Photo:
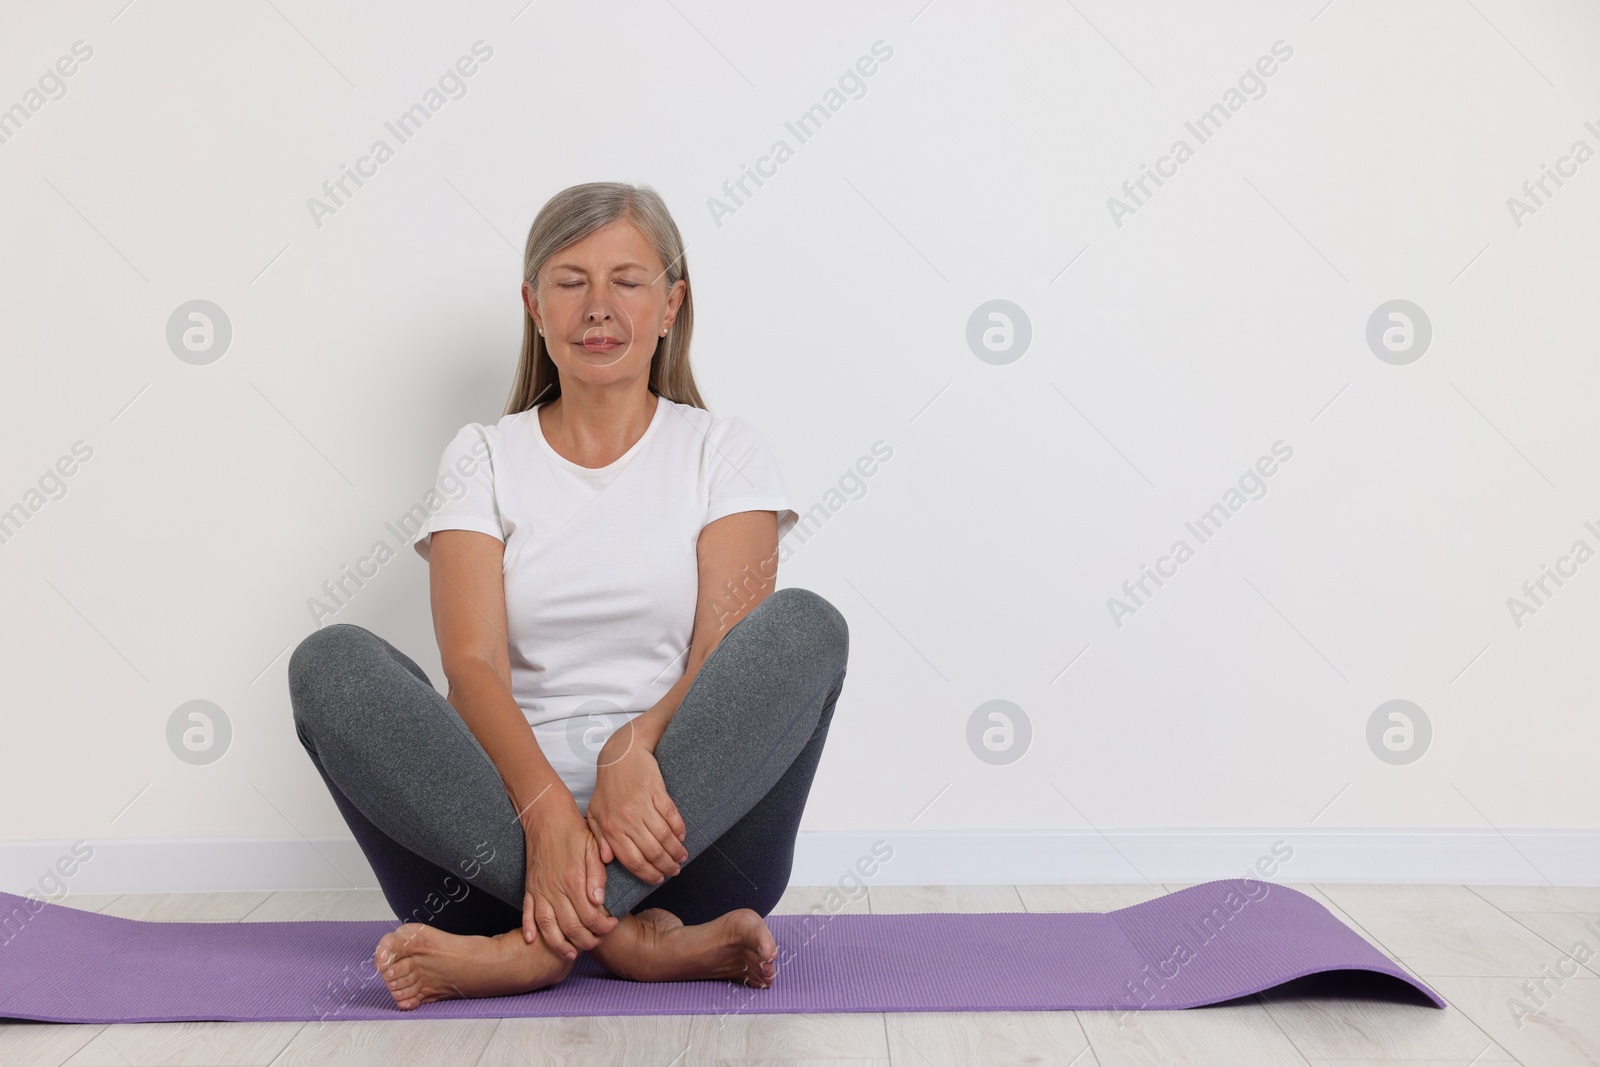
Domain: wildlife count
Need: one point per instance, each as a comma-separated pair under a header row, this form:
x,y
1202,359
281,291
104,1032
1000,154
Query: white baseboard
x,y
918,857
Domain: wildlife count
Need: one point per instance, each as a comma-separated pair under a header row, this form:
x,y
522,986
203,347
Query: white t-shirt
x,y
601,568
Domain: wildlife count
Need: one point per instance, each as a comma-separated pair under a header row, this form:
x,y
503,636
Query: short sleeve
x,y
743,475
462,497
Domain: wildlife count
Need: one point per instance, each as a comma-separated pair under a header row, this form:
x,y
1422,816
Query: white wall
x,y
1171,347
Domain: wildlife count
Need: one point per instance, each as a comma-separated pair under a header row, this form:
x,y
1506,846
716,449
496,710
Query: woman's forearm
x,y
492,714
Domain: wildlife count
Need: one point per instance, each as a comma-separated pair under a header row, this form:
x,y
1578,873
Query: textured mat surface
x,y
1200,945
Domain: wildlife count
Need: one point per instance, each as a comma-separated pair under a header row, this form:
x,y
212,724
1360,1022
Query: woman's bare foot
x,y
655,946
421,963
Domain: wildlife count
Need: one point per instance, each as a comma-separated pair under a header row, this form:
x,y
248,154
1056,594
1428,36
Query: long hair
x,y
569,217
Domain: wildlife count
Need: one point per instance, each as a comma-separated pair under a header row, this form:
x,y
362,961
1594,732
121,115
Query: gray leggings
x,y
430,812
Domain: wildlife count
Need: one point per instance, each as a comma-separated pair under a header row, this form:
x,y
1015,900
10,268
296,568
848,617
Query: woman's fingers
x,y
675,820
595,870
629,853
672,850
589,920
606,855
648,839
545,915
676,831
573,926
530,929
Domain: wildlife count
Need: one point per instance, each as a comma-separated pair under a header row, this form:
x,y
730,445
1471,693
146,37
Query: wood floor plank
x,y
823,1036
636,1040
1562,1031
1327,1019
1540,897
995,1039
874,1062
1238,1034
186,907
1444,930
1573,935
47,1044
1483,1061
1079,898
323,905
904,899
181,1044
800,1063
822,900
349,1043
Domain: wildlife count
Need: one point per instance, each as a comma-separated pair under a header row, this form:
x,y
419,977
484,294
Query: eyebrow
x,y
580,270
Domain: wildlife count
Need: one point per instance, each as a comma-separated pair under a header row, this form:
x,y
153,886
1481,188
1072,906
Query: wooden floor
x,y
1475,945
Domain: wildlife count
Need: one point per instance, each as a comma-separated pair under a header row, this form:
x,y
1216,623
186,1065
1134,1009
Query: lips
x,y
601,344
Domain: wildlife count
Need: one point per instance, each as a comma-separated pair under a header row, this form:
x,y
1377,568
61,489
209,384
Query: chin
x,y
593,375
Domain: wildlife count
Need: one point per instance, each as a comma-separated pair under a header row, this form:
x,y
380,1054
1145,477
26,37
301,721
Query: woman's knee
x,y
817,616
325,652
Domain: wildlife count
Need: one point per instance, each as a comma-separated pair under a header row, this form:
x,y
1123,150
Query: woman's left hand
x,y
630,813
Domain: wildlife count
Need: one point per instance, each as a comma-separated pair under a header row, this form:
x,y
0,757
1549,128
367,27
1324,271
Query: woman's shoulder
x,y
480,446
491,433
709,426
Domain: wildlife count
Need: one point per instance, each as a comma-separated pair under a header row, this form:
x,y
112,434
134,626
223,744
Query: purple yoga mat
x,y
1200,945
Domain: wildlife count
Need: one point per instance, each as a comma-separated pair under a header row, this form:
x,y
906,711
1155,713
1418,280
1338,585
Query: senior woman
x,y
634,714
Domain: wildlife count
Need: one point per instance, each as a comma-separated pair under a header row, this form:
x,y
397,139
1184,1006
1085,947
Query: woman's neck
x,y
594,427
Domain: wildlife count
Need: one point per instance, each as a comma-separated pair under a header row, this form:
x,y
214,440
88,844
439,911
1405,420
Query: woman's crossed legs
x,y
430,812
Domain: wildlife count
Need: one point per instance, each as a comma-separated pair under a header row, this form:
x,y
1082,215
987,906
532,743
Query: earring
x,y
663,333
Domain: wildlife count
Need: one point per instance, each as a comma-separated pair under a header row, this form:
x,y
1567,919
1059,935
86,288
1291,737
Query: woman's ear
x,y
675,301
531,304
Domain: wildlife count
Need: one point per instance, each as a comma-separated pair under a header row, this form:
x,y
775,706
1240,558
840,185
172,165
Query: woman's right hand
x,y
564,892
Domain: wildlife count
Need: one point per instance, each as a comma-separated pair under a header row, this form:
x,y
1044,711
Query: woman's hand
x,y
564,892
630,813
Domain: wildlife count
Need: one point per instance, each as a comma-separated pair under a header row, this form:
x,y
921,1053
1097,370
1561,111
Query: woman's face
x,y
602,304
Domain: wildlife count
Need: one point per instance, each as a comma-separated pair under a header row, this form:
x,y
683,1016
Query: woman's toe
x,y
756,972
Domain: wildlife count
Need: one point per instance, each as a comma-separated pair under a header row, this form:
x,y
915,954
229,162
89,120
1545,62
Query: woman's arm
x,y
467,589
564,884
734,550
